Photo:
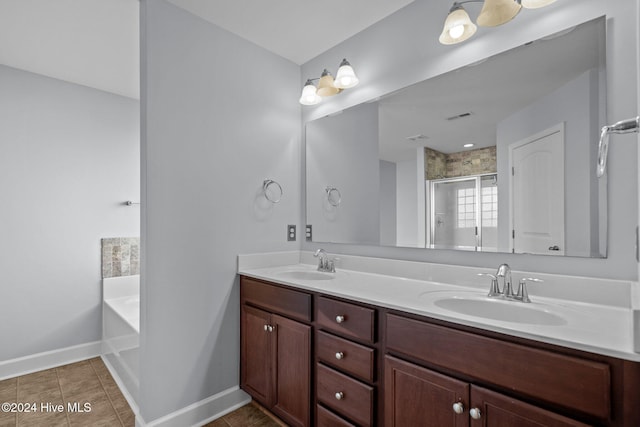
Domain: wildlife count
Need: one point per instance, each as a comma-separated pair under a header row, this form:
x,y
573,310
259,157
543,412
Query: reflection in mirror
x,y
497,156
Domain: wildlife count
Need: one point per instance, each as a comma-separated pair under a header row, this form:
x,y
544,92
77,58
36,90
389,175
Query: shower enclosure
x,y
463,213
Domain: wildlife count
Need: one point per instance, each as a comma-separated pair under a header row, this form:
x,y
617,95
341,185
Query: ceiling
x,y
96,42
298,30
89,42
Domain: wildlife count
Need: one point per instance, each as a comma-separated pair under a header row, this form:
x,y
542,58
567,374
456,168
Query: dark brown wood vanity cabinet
x,y
316,360
345,363
441,376
276,349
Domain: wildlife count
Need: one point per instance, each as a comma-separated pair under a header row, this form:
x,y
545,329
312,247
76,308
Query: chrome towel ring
x,y
272,190
333,196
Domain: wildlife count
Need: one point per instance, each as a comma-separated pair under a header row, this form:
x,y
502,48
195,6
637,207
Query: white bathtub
x,y
127,308
121,331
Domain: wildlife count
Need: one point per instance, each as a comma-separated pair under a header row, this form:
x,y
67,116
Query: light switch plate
x,y
308,233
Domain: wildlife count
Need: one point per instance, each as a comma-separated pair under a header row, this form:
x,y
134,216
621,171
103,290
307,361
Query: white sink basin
x,y
505,311
305,275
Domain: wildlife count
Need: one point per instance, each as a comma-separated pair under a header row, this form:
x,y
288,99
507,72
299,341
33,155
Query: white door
x,y
537,196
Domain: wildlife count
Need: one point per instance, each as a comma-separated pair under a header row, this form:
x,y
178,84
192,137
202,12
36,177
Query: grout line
x,y
15,416
64,401
106,393
268,413
17,394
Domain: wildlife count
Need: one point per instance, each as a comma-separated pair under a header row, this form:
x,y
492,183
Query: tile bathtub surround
x,y
472,162
78,383
120,256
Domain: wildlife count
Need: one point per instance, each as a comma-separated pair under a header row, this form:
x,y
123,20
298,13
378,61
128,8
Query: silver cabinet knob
x,y
339,395
339,355
475,413
458,408
266,327
340,319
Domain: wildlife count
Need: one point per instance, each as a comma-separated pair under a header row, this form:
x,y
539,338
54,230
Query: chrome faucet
x,y
325,264
504,271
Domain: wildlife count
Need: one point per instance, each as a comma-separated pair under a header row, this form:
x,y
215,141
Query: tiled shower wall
x,y
474,162
120,256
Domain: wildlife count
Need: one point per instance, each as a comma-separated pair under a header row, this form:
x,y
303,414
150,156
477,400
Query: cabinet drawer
x,y
345,355
327,418
356,398
290,303
571,382
346,319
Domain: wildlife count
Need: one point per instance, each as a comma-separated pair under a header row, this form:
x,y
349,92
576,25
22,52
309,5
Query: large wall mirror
x,y
498,156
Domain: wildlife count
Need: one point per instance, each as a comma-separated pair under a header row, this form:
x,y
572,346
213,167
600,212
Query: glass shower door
x,y
454,213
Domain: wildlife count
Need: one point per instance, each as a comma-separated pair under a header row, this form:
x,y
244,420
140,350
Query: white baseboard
x,y
49,359
123,388
203,411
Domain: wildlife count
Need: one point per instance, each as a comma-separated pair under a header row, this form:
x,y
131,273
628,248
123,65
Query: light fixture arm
x,y
457,4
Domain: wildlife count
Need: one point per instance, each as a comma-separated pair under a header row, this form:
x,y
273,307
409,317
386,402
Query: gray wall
x,y
403,49
574,105
342,151
388,203
69,158
219,115
408,188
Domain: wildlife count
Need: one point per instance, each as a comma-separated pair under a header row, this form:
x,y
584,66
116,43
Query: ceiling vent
x,y
417,137
459,116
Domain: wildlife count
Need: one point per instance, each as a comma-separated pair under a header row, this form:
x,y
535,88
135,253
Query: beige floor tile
x,y
8,393
8,420
41,419
6,386
249,416
220,422
128,418
37,383
102,413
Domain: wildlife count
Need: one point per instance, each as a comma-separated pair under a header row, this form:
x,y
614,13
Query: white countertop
x,y
590,325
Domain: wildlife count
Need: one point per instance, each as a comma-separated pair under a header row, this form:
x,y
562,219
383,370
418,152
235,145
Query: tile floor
x,y
251,415
89,382
49,394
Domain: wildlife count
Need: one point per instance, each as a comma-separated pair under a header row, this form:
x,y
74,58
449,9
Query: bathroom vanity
x,y
314,357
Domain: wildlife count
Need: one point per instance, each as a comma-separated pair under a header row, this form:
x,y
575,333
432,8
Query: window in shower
x,y
464,212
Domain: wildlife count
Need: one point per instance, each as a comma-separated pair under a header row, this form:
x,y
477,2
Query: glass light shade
x,y
309,94
534,4
497,12
345,77
326,86
457,27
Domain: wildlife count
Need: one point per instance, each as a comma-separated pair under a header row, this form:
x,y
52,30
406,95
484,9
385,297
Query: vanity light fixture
x,y
458,26
468,145
345,79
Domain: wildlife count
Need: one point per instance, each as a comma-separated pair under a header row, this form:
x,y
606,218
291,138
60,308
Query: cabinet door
x,y
293,371
418,397
498,410
257,355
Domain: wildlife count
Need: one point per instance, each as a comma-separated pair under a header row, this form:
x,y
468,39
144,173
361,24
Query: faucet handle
x,y
523,294
494,290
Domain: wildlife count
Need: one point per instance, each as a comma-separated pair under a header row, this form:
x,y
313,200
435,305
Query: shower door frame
x,y
478,204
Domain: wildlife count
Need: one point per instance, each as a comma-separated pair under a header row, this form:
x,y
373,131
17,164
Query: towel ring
x,y
275,194
333,196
